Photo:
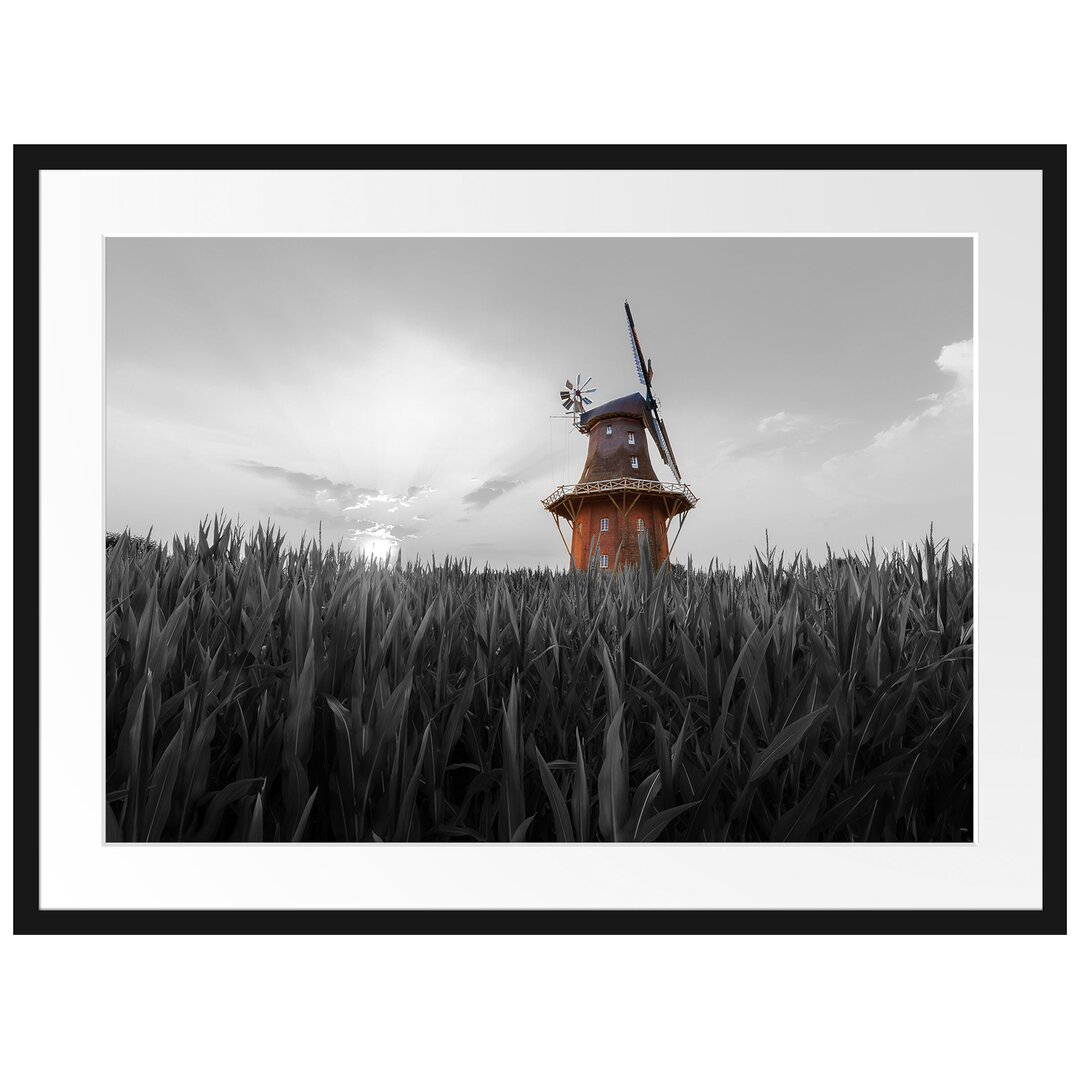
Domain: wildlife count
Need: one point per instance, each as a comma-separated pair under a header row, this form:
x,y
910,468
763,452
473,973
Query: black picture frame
x,y
31,160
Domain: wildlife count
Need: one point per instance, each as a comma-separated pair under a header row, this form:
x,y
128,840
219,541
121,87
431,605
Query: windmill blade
x,y
670,453
663,441
645,374
635,347
658,437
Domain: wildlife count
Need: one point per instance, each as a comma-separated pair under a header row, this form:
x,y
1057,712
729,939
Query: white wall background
x,y
938,72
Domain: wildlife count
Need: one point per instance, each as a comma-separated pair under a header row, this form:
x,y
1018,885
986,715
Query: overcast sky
x,y
402,391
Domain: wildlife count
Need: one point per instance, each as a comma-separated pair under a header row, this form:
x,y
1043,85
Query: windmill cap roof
x,y
633,406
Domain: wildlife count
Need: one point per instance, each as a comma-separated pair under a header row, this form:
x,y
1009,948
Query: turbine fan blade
x,y
573,397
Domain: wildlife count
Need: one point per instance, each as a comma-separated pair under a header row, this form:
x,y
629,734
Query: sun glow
x,y
374,547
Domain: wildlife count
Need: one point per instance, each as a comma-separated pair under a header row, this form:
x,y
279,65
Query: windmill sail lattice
x,y
655,421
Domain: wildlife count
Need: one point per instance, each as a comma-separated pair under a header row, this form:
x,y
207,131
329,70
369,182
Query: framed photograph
x,y
488,539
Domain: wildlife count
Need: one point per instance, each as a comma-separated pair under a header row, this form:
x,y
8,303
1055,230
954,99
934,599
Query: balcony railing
x,y
597,487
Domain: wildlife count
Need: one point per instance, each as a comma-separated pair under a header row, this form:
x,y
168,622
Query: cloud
x,y
334,503
923,459
487,492
782,422
308,483
957,360
393,502
368,527
781,435
323,490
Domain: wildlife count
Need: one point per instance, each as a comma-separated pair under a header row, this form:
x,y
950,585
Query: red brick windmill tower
x,y
619,502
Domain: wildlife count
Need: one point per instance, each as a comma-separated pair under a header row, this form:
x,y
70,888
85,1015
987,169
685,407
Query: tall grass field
x,y
256,692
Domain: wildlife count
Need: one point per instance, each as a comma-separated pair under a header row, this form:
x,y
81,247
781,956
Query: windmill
x,y
619,507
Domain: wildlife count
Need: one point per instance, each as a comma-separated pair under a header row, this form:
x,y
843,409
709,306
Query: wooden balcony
x,y
564,499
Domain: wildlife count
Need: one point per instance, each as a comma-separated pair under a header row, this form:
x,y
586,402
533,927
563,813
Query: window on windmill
x,y
630,438
640,524
603,562
633,463
603,524
608,431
